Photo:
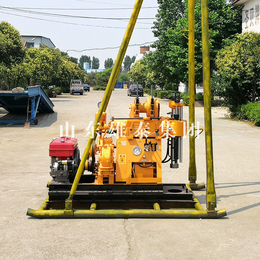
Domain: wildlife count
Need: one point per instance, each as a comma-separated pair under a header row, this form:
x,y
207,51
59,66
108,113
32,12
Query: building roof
x,y
240,2
38,36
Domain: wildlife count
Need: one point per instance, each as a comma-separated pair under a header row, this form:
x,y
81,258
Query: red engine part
x,y
63,147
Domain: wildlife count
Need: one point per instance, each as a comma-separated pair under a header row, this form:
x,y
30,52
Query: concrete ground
x,y
25,171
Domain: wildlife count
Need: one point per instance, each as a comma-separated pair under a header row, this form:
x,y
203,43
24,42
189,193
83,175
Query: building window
x,y
246,18
29,44
257,14
251,17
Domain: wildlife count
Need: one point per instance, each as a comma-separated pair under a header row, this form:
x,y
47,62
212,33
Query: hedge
x,y
147,91
99,88
159,93
185,96
251,112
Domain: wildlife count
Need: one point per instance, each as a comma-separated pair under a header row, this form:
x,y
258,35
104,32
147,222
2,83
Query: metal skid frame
x,y
187,207
123,201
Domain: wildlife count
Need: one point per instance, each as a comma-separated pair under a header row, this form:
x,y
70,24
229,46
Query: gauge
x,y
137,150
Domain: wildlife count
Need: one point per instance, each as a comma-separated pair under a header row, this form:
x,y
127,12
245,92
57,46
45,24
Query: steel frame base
x,y
185,207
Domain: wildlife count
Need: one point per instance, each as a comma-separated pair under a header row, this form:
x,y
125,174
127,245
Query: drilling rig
x,y
120,172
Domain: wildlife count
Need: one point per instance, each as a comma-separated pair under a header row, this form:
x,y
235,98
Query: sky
x,y
69,25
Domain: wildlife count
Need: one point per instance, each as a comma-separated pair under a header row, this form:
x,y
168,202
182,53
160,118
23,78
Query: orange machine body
x,y
129,150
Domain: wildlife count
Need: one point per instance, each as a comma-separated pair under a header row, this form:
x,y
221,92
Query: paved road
x,y
24,173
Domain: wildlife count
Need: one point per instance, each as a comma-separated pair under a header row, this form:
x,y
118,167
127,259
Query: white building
x,y
35,41
250,15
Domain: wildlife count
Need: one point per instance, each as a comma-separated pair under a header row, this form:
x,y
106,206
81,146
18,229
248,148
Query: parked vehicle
x,y
134,89
76,86
53,91
86,87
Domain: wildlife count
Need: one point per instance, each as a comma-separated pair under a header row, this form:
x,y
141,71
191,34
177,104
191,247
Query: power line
x,y
110,48
83,9
72,16
97,2
88,25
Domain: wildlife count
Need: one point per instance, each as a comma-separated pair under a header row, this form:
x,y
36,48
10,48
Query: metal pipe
x,y
181,114
181,138
211,193
197,203
180,149
44,204
127,214
192,161
106,97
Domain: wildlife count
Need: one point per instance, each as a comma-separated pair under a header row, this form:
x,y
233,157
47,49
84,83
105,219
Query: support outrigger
x,y
128,183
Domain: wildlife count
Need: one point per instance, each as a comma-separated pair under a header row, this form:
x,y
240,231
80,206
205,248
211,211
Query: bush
x,y
48,92
155,92
99,88
251,112
199,97
147,91
162,94
170,92
58,91
185,97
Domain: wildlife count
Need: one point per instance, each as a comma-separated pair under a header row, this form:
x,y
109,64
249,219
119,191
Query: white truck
x,y
76,86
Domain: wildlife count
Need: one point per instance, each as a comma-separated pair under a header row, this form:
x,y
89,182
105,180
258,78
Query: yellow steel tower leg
x,y
211,193
192,163
105,100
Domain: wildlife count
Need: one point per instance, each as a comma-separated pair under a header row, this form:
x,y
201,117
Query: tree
x,y
170,61
45,66
109,63
95,63
92,79
19,74
11,47
48,66
128,62
103,77
69,70
84,59
139,71
73,59
237,77
123,77
11,54
169,12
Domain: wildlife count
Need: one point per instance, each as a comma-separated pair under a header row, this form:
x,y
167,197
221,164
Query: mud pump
x,y
120,172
